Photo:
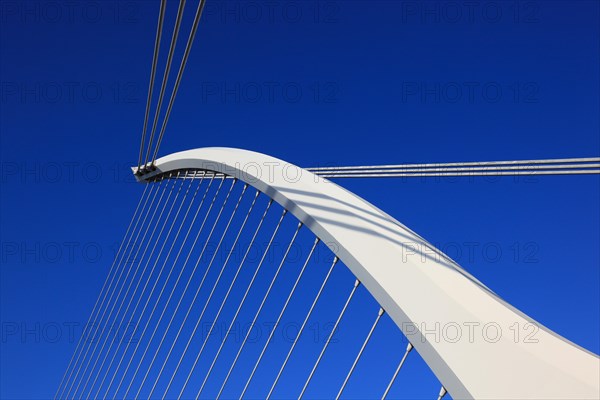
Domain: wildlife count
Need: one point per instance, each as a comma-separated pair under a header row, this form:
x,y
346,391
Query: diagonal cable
x,y
124,374
116,278
205,246
218,314
139,281
163,86
134,244
249,286
287,301
164,242
142,294
185,262
161,16
409,347
335,326
160,294
318,295
105,287
186,55
194,300
174,342
125,296
174,313
360,352
216,283
260,307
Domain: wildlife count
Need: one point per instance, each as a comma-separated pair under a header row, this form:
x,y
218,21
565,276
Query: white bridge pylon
x,y
417,285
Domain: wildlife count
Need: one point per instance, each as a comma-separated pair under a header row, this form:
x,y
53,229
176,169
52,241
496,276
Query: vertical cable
x,y
174,241
106,286
318,295
133,295
124,374
287,301
389,386
161,16
362,349
337,322
215,285
287,251
135,242
122,301
194,300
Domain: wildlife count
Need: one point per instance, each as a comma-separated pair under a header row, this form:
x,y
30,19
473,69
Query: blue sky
x,y
313,83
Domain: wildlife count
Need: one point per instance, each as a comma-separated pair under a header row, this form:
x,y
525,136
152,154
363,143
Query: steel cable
x,y
125,296
161,16
174,313
301,330
335,326
162,247
260,307
139,281
163,86
186,55
283,309
160,294
105,289
135,241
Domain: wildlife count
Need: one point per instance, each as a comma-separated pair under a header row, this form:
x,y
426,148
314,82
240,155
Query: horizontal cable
x,y
461,164
461,169
448,172
562,166
475,173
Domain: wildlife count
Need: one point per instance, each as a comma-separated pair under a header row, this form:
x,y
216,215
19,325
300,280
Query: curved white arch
x,y
425,293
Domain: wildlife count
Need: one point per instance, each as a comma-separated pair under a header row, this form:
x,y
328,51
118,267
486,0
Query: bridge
x,y
200,257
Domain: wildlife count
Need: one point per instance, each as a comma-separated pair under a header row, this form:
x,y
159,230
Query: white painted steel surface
x,y
464,331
